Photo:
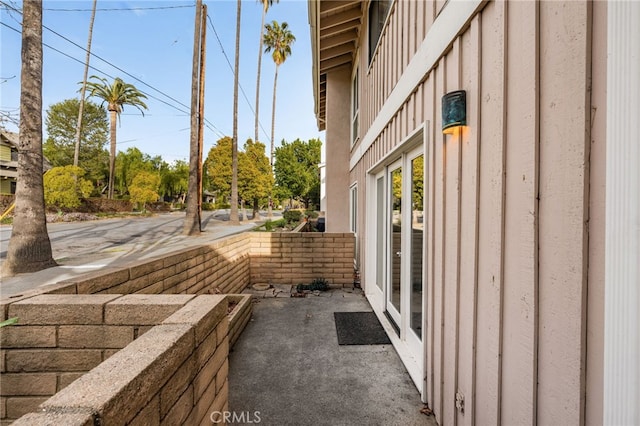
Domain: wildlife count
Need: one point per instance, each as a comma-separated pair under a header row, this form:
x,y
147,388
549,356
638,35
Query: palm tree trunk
x,y
233,216
257,123
273,114
29,247
273,130
113,117
76,154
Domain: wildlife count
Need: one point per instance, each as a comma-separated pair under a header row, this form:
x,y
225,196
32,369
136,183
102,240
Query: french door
x,y
397,224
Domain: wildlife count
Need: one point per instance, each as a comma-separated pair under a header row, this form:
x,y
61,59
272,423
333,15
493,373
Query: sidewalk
x,y
78,265
288,369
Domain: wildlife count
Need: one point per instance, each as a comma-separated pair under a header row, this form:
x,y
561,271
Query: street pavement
x,y
80,247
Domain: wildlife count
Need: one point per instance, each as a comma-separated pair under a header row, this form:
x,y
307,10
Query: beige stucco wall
x,y
337,139
515,205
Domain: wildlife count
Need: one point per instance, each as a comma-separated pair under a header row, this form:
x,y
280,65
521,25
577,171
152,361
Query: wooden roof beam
x,y
336,51
335,62
333,20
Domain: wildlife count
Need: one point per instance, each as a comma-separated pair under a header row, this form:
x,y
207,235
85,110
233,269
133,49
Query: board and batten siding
x,y
514,211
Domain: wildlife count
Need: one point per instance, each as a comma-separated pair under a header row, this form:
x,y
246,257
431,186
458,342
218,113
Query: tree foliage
x,y
296,170
59,147
218,168
174,180
144,187
254,173
418,183
130,163
65,186
255,179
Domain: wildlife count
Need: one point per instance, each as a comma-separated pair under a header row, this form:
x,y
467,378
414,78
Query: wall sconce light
x,y
454,111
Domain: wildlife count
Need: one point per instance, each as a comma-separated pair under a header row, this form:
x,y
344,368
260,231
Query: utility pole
x,y
76,154
203,55
192,223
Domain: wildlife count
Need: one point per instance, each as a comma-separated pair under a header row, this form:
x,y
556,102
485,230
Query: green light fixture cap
x,y
454,110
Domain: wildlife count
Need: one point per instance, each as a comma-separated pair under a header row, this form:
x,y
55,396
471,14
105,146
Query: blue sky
x,y
155,46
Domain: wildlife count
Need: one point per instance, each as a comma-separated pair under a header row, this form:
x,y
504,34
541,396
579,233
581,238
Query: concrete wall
x,y
175,373
227,266
515,200
70,328
294,258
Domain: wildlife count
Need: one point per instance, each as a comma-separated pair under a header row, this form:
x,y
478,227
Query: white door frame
x,y
412,351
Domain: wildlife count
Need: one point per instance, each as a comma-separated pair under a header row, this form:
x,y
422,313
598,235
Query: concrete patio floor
x,y
288,369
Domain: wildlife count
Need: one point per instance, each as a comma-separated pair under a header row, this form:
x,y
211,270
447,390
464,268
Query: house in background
x,y
499,248
8,161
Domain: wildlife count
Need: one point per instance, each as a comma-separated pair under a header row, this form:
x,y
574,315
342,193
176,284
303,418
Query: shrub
x,y
65,186
319,284
292,216
208,206
311,213
144,187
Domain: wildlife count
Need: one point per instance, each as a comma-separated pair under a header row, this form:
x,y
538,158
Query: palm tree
x,y
278,40
265,7
233,214
116,96
29,247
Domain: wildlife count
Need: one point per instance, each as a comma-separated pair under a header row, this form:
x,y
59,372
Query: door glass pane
x,y
380,232
417,232
395,207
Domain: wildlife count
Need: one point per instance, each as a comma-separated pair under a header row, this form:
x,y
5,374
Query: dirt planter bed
x,y
239,315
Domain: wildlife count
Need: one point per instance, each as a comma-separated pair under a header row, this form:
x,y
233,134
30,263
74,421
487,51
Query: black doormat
x,y
359,328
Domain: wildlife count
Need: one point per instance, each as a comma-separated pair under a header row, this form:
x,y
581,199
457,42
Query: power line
x,y
233,72
98,70
117,9
208,123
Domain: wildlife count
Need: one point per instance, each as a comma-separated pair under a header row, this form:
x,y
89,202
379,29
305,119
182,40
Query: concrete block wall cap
x,y
144,309
129,379
69,299
154,299
204,313
48,309
57,418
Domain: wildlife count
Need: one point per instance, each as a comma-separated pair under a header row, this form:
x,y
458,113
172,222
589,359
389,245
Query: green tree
x,y
59,148
296,170
144,188
265,8
255,180
218,168
130,163
65,186
29,246
116,95
174,180
418,182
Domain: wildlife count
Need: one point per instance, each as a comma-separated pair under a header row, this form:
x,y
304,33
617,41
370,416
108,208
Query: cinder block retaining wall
x,y
293,258
175,373
68,328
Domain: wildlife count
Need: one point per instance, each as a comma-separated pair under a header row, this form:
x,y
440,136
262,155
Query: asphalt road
x,y
81,246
